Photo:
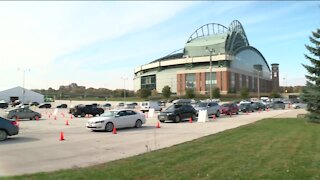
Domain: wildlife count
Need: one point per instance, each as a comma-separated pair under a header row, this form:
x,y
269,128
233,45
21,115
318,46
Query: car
x,y
62,106
177,113
259,106
211,107
229,108
278,105
116,119
299,105
22,113
8,128
45,105
4,104
246,107
34,104
107,106
129,106
83,110
145,106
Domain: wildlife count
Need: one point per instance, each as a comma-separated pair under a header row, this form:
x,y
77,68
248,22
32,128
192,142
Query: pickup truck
x,y
83,110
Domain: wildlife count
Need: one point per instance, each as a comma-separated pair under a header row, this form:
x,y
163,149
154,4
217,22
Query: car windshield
x,y
201,104
173,107
109,114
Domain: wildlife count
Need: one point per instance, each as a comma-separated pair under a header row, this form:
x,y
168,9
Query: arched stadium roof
x,y
219,38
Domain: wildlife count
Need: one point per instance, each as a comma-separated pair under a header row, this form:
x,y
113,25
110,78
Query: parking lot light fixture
x,y
124,88
23,82
211,51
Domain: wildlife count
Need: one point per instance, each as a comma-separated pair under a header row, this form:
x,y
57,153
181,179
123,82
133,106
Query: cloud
x,y
35,34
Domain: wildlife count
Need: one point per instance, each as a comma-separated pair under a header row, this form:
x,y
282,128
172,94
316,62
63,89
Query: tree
x,y
275,94
144,93
311,93
154,92
244,92
216,93
190,93
166,92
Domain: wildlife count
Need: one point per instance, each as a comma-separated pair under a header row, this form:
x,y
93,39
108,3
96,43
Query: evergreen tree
x,y
311,93
190,93
166,92
216,93
244,92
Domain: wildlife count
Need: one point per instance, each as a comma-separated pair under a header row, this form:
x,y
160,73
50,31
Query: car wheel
x,y
193,117
177,119
36,117
138,123
218,114
109,127
3,135
94,115
162,121
83,114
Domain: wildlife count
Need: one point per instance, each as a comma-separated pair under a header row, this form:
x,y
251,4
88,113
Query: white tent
x,y
21,94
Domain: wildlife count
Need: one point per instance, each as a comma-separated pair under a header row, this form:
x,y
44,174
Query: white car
x,y
118,119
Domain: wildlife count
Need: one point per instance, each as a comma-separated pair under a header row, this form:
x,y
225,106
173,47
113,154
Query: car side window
x,y
130,112
121,113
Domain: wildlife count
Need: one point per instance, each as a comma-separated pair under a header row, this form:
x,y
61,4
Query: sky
x,y
98,44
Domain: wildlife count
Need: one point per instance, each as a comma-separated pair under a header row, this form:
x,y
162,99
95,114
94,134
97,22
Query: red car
x,y
229,108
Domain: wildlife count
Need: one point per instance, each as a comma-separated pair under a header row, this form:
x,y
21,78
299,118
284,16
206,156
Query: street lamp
x,y
23,80
258,68
124,88
211,51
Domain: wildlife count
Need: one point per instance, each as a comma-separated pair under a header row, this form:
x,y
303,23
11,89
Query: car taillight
x,y
15,123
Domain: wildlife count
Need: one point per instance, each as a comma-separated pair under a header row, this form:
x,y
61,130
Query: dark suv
x,y
177,112
83,110
8,128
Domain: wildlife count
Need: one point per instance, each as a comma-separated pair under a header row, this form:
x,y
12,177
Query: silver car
x,y
22,113
118,119
211,107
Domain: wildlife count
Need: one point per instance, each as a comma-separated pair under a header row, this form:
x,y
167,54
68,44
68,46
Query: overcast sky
x,y
97,44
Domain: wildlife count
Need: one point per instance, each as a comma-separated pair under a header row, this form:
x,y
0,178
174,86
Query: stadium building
x,y
234,64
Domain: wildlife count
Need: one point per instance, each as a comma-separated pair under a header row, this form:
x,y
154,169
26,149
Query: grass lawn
x,y
268,149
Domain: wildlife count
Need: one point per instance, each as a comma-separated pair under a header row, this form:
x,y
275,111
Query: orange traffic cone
x,y
214,116
55,117
71,117
61,136
190,120
267,109
67,122
247,112
114,131
158,124
37,118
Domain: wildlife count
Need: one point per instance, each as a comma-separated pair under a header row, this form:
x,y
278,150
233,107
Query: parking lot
x,y
37,148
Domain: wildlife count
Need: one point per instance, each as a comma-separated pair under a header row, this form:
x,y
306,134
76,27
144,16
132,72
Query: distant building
x,y
19,93
235,64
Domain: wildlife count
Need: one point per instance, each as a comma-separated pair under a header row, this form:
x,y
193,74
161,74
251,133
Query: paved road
x,y
37,148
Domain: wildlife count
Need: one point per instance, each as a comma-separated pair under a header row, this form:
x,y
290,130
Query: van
x,y
145,106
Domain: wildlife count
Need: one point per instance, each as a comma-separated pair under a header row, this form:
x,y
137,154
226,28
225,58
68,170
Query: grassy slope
x,y
272,148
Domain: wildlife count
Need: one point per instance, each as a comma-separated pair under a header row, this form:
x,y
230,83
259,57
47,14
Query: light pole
x,y
124,88
23,81
211,51
258,68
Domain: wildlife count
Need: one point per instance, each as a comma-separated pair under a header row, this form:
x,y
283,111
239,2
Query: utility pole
x,y
211,51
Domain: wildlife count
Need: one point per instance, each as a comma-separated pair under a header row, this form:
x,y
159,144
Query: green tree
x,y
275,94
311,93
144,93
216,93
166,92
154,92
244,92
190,93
